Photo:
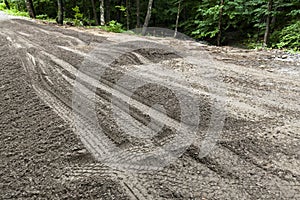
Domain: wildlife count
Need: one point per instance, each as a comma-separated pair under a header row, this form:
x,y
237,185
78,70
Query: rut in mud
x,y
257,155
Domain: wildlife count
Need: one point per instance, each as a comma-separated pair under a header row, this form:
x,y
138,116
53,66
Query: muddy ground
x,y
43,156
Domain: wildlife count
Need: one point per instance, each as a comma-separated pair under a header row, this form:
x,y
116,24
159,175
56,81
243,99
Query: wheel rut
x,y
258,131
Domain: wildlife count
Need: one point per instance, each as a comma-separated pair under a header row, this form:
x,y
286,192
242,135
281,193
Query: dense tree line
x,y
269,22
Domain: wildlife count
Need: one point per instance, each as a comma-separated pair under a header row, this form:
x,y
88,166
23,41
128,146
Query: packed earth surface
x,y
58,83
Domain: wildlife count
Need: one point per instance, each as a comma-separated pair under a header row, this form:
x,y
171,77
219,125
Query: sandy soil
x,y
42,155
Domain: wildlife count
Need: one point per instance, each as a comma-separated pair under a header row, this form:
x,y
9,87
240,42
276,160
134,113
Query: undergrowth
x,y
113,26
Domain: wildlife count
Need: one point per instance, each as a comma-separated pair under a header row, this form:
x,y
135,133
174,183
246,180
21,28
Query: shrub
x,y
2,6
78,16
16,12
114,26
289,37
42,16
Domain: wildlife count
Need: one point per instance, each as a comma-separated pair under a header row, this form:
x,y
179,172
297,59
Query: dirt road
x,y
43,155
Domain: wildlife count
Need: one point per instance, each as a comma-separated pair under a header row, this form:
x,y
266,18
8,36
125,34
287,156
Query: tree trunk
x,y
102,15
268,22
107,10
95,13
138,21
127,14
177,19
148,16
220,24
7,4
30,8
119,12
60,13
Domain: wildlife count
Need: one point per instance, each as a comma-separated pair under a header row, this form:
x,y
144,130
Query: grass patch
x,y
15,12
113,26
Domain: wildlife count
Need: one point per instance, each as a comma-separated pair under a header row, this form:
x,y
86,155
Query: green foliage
x,y
16,12
18,5
165,12
252,43
243,21
43,17
207,23
45,7
246,17
233,18
289,37
69,21
78,16
2,6
121,8
114,26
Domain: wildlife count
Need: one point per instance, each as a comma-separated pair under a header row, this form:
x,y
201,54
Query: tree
x,y
220,23
148,16
102,15
60,14
268,22
177,19
7,4
207,19
107,10
95,13
30,8
138,21
252,22
127,14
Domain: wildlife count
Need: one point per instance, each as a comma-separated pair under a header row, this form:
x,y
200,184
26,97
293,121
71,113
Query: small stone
x,y
262,66
284,56
34,192
82,151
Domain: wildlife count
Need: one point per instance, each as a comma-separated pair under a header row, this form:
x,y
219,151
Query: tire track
x,y
237,169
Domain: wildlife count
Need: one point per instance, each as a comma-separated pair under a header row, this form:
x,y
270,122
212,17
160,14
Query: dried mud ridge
x,y
257,156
